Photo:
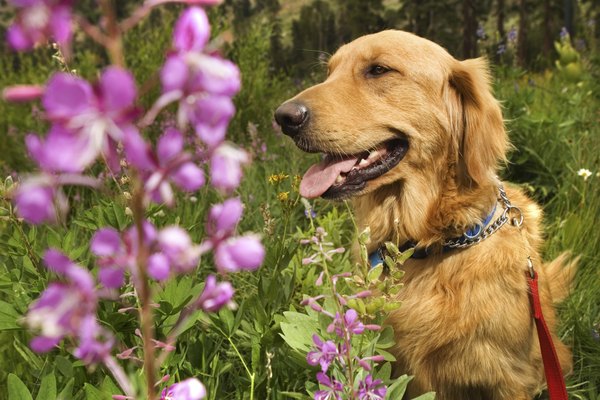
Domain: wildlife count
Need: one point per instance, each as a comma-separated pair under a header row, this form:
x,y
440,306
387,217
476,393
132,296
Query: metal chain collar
x,y
517,221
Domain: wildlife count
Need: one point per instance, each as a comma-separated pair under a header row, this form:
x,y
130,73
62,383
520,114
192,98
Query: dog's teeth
x,y
339,179
363,163
373,154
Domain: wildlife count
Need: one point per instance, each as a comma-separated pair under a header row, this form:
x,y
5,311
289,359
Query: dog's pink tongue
x,y
321,176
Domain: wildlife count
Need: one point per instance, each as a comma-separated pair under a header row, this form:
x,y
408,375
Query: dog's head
x,y
396,108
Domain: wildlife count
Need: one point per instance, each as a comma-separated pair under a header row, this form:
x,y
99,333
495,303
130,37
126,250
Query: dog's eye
x,y
377,70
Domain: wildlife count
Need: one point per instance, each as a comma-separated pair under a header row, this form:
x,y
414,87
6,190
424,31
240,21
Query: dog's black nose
x,y
291,116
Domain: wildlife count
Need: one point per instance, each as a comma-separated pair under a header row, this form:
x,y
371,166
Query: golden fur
x,y
465,328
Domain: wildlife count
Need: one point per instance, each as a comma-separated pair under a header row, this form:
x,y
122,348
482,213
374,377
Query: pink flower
x,y
226,167
118,252
371,389
324,355
38,199
239,253
178,249
169,164
215,295
348,323
192,30
39,20
62,307
334,389
87,120
223,218
189,389
19,93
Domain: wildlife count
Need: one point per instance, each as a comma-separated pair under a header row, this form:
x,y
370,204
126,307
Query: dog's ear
x,y
483,142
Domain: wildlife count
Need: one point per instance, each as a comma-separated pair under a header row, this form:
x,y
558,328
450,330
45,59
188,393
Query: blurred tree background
x,y
466,28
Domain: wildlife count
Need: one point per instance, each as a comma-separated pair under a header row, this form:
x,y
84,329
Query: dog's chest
x,y
457,303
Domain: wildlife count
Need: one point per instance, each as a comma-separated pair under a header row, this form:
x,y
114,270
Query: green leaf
x,y
375,273
108,386
297,330
67,392
64,366
8,317
47,388
396,390
17,389
392,249
426,396
294,395
91,393
226,317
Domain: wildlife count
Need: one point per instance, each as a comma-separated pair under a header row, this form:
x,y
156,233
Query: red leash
x,y
556,383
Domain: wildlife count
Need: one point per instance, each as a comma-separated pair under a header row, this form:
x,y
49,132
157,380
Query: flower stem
x,y
144,290
114,43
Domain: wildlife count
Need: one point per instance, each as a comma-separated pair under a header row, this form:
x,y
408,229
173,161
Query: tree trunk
x,y
522,38
547,29
470,27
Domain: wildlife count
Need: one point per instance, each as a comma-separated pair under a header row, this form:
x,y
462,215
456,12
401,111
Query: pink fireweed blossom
x,y
371,389
92,118
20,93
38,21
215,295
231,254
169,164
226,167
334,389
39,199
239,253
189,389
324,355
117,252
63,307
179,251
202,84
349,323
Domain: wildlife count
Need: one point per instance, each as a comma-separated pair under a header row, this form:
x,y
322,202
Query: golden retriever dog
x,y
414,137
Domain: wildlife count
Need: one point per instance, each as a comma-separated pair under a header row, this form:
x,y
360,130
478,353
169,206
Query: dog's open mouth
x,y
338,177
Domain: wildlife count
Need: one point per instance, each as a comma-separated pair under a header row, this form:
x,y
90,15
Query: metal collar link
x,y
509,210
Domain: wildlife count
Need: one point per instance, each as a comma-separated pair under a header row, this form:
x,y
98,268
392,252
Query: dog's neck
x,y
423,212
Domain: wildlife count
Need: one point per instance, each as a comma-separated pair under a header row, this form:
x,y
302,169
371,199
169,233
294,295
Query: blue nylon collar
x,y
377,256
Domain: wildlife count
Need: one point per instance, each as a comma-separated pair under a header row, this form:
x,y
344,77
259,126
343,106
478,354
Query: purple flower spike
x,y
38,200
192,30
170,163
189,389
226,167
62,151
106,242
158,267
39,20
62,306
334,390
348,323
240,253
215,295
324,355
211,118
214,75
370,389
20,93
178,248
223,218
67,96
